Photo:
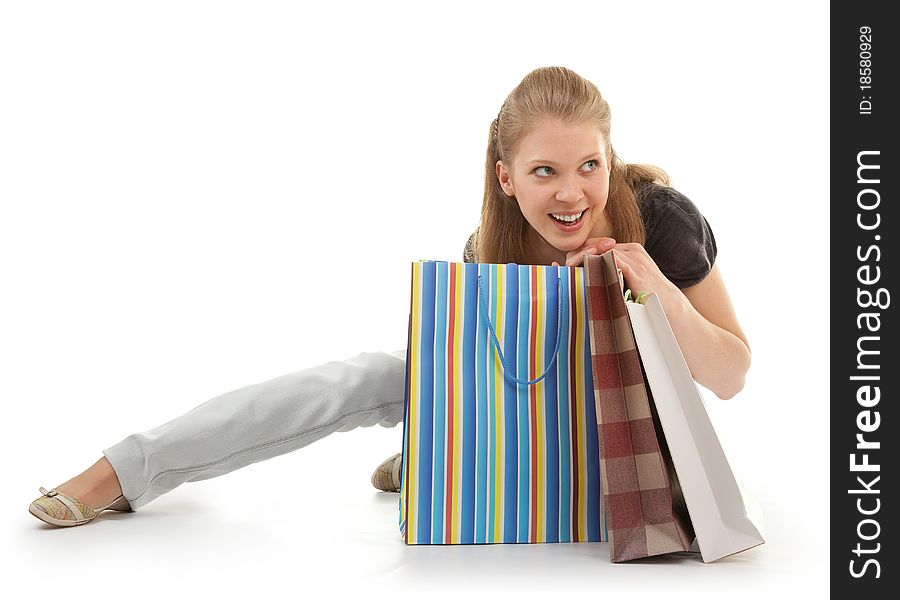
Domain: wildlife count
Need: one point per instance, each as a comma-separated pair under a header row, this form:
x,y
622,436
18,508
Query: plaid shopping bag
x,y
500,429
645,510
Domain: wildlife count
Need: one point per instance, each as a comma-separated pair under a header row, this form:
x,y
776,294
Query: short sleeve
x,y
679,239
470,252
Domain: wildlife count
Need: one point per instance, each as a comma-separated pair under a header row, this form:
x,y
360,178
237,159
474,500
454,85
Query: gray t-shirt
x,y
678,237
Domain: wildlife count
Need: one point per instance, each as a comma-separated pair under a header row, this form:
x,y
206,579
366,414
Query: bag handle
x,y
639,299
506,369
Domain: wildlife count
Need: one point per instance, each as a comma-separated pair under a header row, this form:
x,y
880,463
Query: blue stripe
x,y
594,491
467,370
565,440
524,404
551,408
509,405
440,405
484,420
426,416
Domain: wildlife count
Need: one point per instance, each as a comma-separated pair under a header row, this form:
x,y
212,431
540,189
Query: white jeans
x,y
260,421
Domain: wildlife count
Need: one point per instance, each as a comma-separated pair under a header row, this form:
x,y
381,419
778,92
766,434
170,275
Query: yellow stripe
x,y
498,371
457,409
539,412
579,402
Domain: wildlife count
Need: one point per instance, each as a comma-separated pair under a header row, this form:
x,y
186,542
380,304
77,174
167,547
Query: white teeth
x,y
567,218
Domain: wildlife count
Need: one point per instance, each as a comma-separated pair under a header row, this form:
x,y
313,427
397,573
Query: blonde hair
x,y
553,92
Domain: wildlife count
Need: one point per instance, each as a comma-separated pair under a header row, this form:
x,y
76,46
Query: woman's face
x,y
560,178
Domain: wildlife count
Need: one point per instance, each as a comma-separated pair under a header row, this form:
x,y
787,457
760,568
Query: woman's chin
x,y
566,243
562,243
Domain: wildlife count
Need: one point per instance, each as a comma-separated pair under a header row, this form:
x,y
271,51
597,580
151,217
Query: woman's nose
x,y
570,191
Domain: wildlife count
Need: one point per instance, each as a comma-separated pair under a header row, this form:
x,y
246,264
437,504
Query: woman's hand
x,y
641,274
702,318
598,245
712,343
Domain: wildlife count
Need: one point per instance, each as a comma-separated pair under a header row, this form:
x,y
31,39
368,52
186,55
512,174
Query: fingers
x,y
633,248
621,261
622,265
597,245
576,258
603,244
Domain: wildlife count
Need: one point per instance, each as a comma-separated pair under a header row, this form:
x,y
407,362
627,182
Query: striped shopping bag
x,y
500,431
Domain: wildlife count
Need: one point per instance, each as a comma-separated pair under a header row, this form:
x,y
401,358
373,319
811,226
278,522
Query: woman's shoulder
x,y
658,202
678,236
470,252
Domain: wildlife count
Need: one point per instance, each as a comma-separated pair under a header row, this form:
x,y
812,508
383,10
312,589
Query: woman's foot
x,y
97,486
82,498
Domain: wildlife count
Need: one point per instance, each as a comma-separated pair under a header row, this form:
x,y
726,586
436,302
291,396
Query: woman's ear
x,y
504,179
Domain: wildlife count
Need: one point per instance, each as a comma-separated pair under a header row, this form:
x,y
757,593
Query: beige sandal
x,y
56,508
387,476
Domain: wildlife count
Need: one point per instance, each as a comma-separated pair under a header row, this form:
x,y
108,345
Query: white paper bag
x,y
722,517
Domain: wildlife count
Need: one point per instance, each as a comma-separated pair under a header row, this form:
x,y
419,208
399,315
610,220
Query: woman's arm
x,y
702,317
706,327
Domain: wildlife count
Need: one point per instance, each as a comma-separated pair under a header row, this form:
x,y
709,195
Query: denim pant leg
x,y
260,421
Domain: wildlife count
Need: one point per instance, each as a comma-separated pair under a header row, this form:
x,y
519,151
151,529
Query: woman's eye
x,y
547,171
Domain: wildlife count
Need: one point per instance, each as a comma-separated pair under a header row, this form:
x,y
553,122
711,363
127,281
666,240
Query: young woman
x,y
554,191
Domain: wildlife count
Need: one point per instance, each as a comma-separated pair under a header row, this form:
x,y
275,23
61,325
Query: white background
x,y
197,196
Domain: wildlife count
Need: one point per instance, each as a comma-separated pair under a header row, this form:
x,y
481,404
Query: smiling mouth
x,y
568,219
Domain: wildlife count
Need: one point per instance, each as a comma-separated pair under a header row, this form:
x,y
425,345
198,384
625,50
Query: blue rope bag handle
x,y
506,369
